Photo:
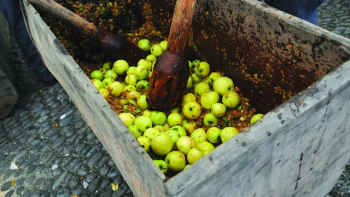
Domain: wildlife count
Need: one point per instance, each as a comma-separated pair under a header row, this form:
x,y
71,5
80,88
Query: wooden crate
x,y
298,149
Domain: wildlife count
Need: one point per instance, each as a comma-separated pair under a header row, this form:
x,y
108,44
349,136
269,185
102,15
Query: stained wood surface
x,y
134,163
8,92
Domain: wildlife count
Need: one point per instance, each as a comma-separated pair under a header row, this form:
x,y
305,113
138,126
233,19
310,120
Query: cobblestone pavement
x,y
69,160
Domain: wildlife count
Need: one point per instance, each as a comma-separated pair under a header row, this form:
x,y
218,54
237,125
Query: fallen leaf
x,y
13,182
115,187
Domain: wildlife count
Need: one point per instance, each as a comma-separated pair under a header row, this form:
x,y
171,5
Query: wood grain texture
x,y
137,168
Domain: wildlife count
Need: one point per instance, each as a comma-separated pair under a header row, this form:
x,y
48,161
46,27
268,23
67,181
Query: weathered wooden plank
x,y
133,162
8,92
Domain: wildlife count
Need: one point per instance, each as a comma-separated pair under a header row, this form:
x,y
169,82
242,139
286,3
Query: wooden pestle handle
x,y
68,17
180,26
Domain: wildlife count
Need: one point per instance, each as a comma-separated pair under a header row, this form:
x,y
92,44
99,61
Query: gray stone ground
x,y
69,160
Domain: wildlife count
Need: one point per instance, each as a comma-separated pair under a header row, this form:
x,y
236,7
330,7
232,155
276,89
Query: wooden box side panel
x,y
297,149
138,169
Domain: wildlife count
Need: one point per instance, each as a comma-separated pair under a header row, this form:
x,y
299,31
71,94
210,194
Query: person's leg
x,y
12,12
304,9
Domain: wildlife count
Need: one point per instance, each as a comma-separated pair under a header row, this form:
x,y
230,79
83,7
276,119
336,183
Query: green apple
x,y
185,143
131,70
151,58
222,85
102,70
161,164
196,62
175,110
218,109
158,118
202,69
201,88
231,99
205,146
107,82
208,99
189,83
127,118
144,44
174,119
174,135
116,89
96,74
104,92
156,50
213,77
151,133
129,88
120,67
147,113
210,119
160,128
142,102
189,125
141,72
191,110
97,83
110,74
133,95
213,135
195,78
162,144
143,123
199,135
163,44
255,118
106,66
206,80
187,98
187,166
131,79
194,155
144,142
149,74
146,63
227,133
142,86
166,126
176,161
178,129
134,130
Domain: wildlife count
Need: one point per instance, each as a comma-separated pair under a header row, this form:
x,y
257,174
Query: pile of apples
x,y
174,138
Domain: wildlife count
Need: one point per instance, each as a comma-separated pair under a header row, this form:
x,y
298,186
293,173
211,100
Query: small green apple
x,y
142,102
104,92
120,67
164,44
147,113
107,82
201,88
255,118
134,130
160,128
129,88
143,123
110,74
161,164
127,118
179,129
156,50
208,99
131,79
141,72
213,77
194,155
174,136
106,66
116,89
174,119
231,99
195,78
189,83
199,135
196,62
205,146
146,63
187,98
185,143
187,166
144,142
151,58
213,135
162,144
151,133
97,83
102,70
158,118
202,69
210,119
191,110
144,44
223,85
176,161
131,70
142,86
133,95
227,133
218,109
189,125
96,74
